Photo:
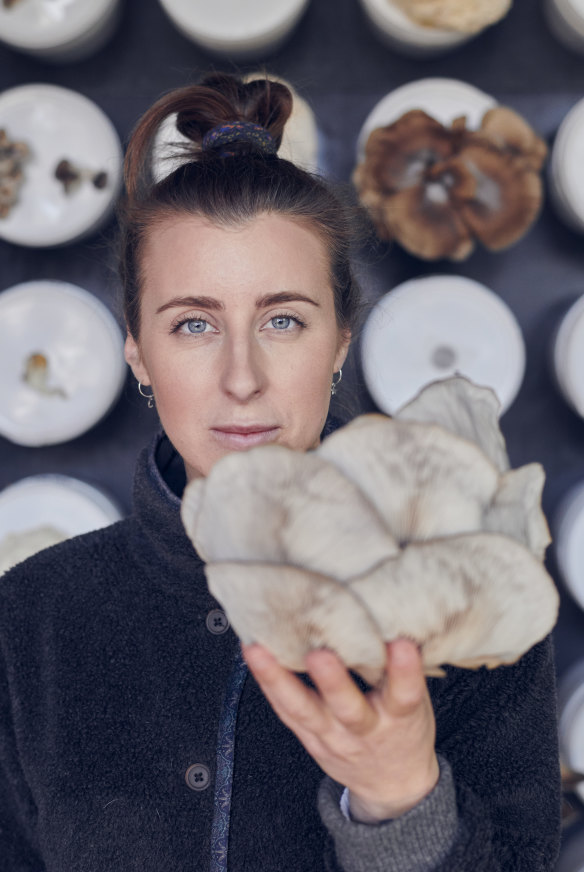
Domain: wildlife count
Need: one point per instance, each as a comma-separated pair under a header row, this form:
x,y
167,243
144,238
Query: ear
x,y
342,349
134,359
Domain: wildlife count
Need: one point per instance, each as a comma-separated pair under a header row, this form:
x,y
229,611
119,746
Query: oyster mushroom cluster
x,y
465,16
437,190
408,526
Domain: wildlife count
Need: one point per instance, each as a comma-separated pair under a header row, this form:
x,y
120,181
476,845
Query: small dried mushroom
x,y
72,176
12,158
437,190
466,16
409,526
36,375
16,547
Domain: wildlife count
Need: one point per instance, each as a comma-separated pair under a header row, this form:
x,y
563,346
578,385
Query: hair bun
x,y
219,100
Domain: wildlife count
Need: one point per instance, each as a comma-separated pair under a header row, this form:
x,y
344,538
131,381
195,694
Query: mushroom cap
x,y
466,16
508,196
463,408
291,611
423,221
460,598
423,481
437,189
282,506
506,129
516,509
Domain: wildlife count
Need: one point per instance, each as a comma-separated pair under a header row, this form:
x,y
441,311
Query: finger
x,y
404,688
338,690
293,702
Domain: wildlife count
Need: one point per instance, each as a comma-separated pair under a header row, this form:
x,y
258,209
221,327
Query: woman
x,y
132,734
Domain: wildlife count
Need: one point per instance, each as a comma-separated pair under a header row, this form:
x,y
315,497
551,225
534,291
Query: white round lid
x,y
67,504
572,12
569,545
398,24
224,22
57,123
42,24
61,359
443,99
571,720
430,328
569,355
568,159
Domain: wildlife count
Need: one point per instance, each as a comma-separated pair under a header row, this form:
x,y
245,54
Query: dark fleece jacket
x,y
112,685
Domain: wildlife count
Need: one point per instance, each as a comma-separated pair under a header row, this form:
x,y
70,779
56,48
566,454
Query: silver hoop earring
x,y
336,383
149,397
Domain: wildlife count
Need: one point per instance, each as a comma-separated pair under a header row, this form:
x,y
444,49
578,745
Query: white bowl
x,y
59,31
84,347
443,99
430,328
57,123
568,527
571,739
235,29
398,31
568,356
49,506
566,21
566,169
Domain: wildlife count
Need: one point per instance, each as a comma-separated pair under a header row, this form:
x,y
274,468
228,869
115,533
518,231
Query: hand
x,y
380,745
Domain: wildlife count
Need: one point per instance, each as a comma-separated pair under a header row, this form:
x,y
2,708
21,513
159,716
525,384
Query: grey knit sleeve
x,y
418,841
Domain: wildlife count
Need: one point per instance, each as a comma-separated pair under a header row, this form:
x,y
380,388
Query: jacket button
x,y
198,776
217,622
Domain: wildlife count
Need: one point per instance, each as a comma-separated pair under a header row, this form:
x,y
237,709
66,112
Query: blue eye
x,y
196,325
281,322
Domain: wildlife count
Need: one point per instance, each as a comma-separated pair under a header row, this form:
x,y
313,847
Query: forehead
x,y
268,253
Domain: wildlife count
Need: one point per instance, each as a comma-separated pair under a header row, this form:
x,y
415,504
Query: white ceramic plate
x,y
433,327
568,356
569,545
443,99
40,505
567,168
83,345
233,26
57,123
45,24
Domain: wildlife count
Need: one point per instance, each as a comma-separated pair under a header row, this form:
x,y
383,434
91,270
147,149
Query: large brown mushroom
x,y
392,527
436,189
466,16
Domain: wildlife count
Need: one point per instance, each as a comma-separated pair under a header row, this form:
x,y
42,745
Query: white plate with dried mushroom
x,y
42,510
432,327
441,168
60,166
62,362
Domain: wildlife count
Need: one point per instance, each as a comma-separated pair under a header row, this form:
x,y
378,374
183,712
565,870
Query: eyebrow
x,y
216,305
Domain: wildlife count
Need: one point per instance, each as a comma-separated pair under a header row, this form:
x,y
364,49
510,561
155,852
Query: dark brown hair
x,y
228,189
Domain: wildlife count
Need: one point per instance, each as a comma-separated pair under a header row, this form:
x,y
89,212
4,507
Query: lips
x,y
241,437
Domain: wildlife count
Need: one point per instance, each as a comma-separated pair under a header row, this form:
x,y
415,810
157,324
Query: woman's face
x,y
238,335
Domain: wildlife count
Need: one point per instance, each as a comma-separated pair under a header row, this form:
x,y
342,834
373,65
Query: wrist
x,y
372,810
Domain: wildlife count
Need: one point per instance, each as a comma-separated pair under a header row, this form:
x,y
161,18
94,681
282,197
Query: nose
x,y
244,374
